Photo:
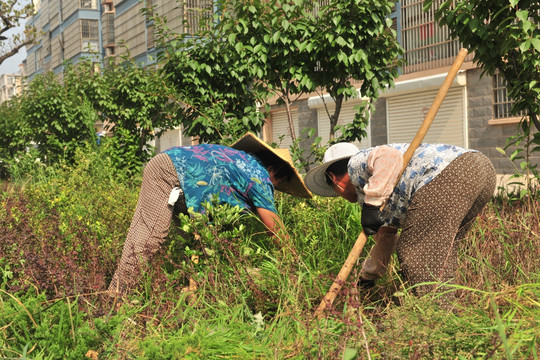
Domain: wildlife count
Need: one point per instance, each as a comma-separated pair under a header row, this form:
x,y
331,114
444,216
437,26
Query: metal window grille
x,y
502,104
427,45
89,35
195,11
108,28
88,4
89,29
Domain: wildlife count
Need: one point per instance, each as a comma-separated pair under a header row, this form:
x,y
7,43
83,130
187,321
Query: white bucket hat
x,y
315,179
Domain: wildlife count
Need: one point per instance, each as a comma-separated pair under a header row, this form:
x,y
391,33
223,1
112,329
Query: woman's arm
x,y
272,222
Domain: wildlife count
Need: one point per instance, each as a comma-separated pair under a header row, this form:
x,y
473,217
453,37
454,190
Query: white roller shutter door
x,y
346,116
406,113
280,128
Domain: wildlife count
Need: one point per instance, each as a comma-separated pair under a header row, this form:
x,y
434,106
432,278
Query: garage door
x,y
406,113
281,134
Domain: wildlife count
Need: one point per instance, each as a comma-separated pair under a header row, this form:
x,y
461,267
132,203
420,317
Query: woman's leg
x,y
150,224
439,215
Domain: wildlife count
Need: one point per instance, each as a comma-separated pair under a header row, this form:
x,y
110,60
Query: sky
x,y
11,65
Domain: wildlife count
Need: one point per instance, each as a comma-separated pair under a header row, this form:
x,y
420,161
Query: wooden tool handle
x,y
362,238
434,108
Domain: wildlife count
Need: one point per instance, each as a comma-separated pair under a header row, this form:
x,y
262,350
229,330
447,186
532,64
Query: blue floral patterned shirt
x,y
427,162
238,178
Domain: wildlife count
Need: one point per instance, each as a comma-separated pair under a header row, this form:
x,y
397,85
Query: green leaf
x,y
350,354
239,47
285,24
522,15
276,36
536,44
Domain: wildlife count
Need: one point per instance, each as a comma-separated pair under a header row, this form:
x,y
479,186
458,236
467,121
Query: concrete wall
x,y
379,131
130,26
482,135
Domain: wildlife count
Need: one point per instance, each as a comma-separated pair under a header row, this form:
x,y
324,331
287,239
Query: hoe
x,y
362,238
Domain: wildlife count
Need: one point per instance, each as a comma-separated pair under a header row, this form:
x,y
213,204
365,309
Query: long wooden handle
x,y
434,108
362,238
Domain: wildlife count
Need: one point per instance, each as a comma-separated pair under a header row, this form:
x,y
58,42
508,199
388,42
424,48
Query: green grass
x,y
64,230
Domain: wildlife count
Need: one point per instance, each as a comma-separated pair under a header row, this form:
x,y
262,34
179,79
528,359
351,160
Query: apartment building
x,y
97,29
10,85
475,113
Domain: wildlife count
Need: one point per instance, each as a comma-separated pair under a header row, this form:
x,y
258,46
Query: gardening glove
x,y
371,219
379,256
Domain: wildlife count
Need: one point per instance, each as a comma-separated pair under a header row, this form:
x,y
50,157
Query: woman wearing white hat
x,y
245,174
442,190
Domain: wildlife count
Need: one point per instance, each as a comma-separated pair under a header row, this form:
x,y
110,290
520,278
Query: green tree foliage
x,y
137,106
58,117
14,134
294,48
276,39
505,37
213,84
354,42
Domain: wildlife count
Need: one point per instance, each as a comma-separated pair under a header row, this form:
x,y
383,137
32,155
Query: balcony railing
x,y
427,45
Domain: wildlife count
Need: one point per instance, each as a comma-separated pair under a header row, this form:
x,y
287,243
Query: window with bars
x,y
88,4
108,28
194,11
89,34
427,45
502,104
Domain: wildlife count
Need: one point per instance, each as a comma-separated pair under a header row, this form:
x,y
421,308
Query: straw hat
x,y
316,178
252,144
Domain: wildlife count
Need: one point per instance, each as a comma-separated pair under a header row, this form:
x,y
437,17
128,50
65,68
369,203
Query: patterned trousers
x,y
151,222
439,216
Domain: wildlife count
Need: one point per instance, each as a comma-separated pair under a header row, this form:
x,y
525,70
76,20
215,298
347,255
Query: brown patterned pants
x,y
151,221
439,216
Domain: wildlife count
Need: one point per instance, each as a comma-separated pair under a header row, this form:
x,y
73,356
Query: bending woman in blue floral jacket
x,y
186,177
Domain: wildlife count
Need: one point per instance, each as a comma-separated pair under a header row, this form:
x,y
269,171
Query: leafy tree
x,y
12,15
275,38
298,47
505,37
14,134
213,83
137,106
59,119
354,42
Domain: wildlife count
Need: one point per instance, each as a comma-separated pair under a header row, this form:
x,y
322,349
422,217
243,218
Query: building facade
x,y
475,113
10,86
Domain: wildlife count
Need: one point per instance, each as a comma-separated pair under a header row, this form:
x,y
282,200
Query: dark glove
x,y
371,219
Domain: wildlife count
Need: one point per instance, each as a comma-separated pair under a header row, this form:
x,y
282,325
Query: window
x,y
194,11
427,45
89,34
88,4
108,28
502,104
